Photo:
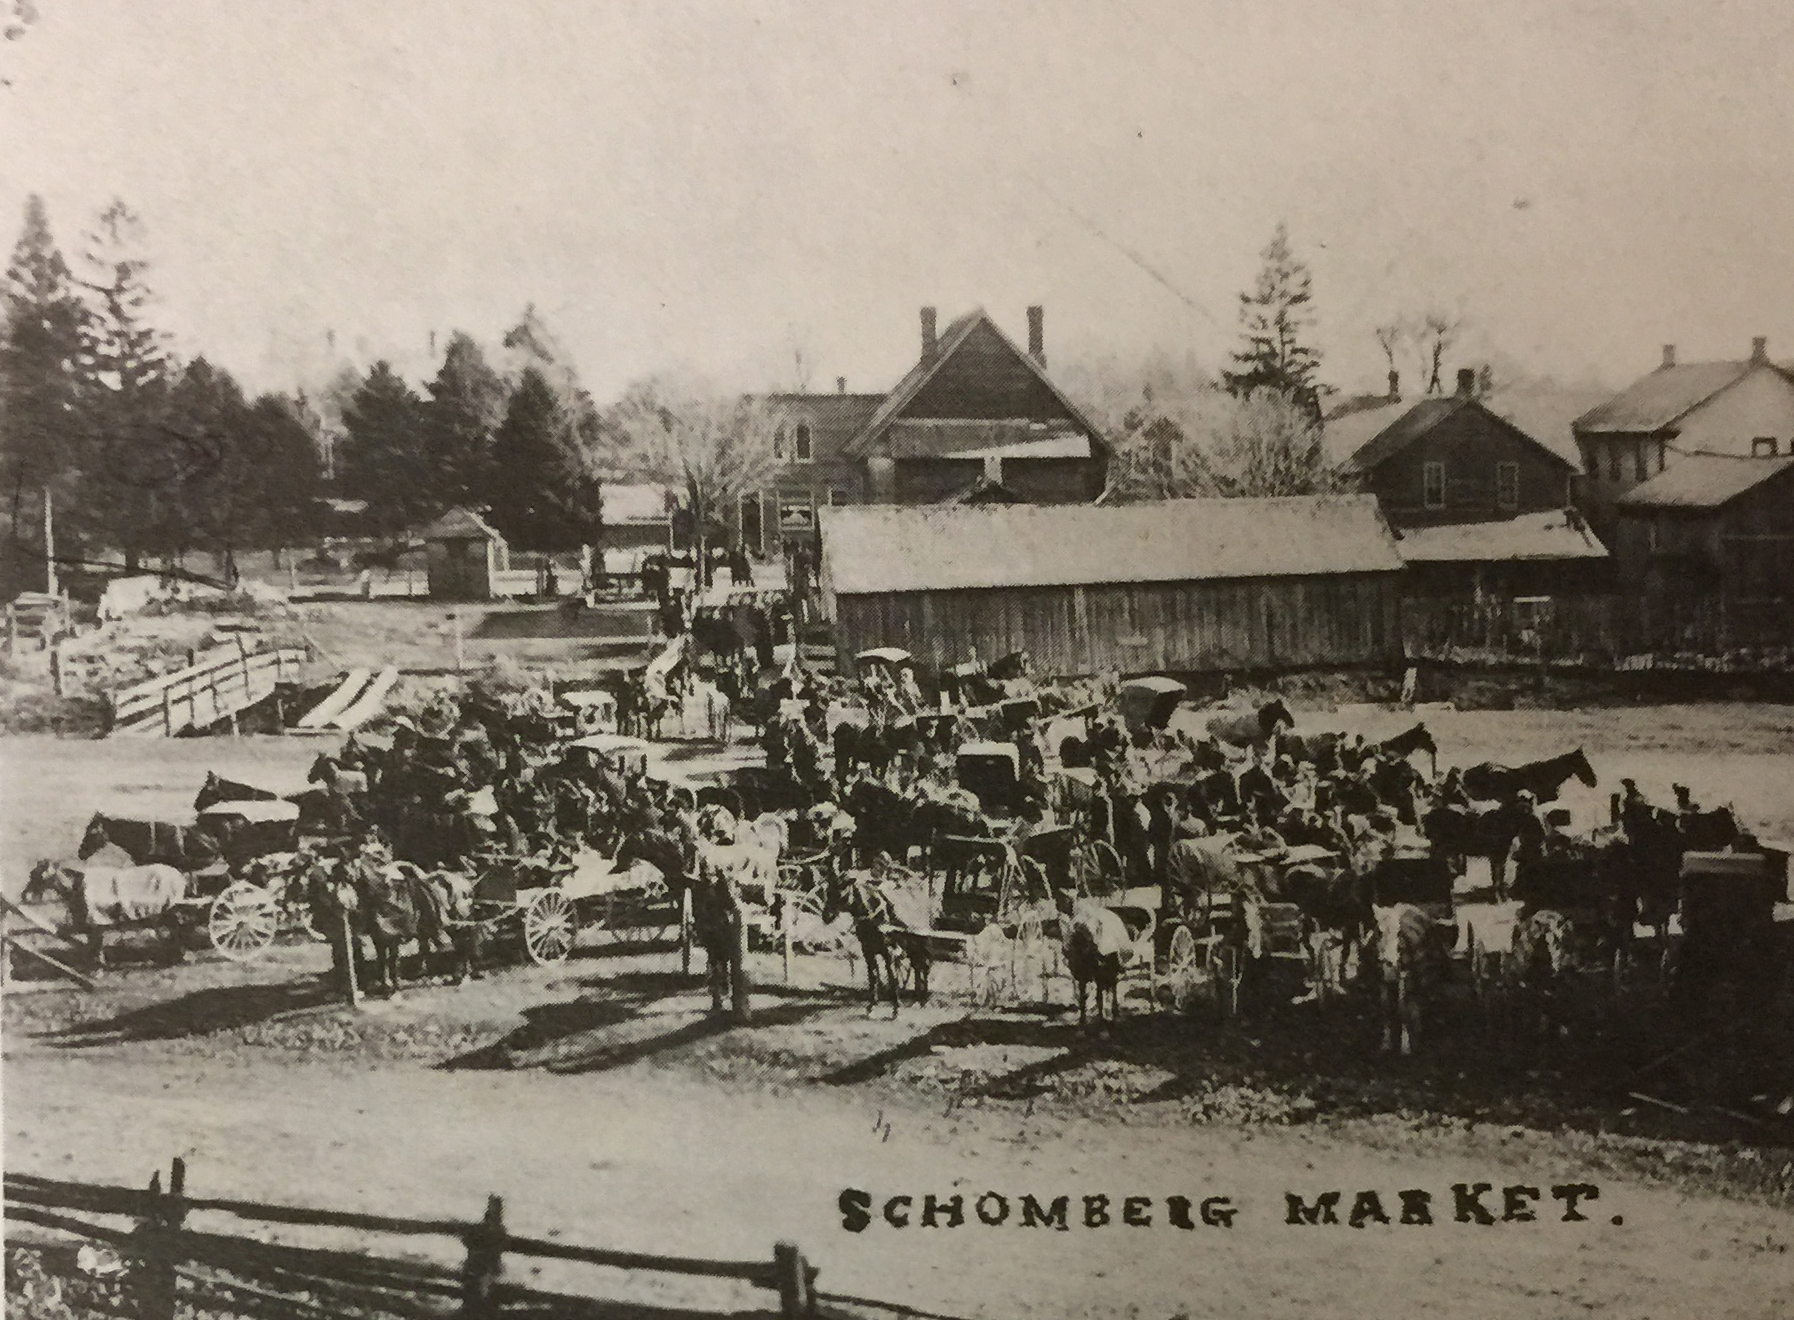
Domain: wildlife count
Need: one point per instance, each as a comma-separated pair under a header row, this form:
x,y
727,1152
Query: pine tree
x,y
132,466
382,458
1274,319
464,411
544,495
38,353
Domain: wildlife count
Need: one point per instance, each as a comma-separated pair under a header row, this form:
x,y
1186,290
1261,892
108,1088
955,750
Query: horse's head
x,y
94,838
1274,715
322,771
49,881
1580,767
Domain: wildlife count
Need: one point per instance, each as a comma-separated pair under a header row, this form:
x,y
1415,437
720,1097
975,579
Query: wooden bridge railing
x,y
224,681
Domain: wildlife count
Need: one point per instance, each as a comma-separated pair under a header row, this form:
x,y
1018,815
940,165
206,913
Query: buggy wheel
x,y
243,921
550,926
1182,968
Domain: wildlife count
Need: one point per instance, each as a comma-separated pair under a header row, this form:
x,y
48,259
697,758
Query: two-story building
x,y
1447,459
1737,409
975,419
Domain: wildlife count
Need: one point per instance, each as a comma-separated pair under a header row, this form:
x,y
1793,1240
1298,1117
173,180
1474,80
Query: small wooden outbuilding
x,y
464,554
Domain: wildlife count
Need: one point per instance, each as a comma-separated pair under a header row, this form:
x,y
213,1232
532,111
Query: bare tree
x,y
712,446
1390,338
1439,330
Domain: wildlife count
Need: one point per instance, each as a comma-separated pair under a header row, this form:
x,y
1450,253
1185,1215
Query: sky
x,y
716,187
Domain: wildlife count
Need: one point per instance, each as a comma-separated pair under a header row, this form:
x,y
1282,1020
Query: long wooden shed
x,y
1179,586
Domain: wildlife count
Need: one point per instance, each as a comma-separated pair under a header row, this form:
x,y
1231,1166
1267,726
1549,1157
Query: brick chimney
x,y
929,340
1669,355
1395,387
840,384
1467,382
1759,350
1037,334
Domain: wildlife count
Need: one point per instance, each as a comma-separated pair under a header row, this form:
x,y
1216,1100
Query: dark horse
x,y
1457,832
880,933
391,904
218,789
1405,744
1489,782
184,847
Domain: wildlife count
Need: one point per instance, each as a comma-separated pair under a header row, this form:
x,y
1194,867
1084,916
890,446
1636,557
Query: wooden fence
x,y
165,1260
1601,631
221,683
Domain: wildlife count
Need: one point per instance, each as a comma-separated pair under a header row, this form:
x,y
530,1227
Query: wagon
x,y
1727,914
540,904
594,710
1215,929
617,750
991,772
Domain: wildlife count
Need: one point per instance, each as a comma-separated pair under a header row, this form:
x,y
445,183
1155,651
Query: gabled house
x,y
1446,459
1739,409
1714,528
976,418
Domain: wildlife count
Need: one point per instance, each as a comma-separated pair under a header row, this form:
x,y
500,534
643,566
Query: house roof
x,y
461,524
1703,481
949,343
1361,441
1554,534
885,548
1656,400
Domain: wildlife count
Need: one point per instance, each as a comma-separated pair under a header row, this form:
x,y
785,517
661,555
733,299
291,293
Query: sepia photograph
x,y
961,661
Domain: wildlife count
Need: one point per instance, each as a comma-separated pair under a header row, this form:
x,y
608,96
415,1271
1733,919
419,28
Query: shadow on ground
x,y
198,1013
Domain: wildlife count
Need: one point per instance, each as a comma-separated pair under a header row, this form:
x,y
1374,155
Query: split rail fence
x,y
162,1262
221,684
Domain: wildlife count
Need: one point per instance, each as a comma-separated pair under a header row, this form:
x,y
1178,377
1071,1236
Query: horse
x,y
1094,940
1405,744
1489,782
1458,832
99,898
184,847
874,919
1254,729
391,903
1411,954
1321,750
218,789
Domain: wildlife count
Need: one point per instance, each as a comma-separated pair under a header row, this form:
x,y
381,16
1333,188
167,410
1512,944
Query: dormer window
x,y
801,447
1763,447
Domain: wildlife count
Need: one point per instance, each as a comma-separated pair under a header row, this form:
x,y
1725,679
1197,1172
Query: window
x,y
1613,461
1763,447
778,445
1640,468
1507,485
1432,477
801,449
1662,451
1653,538
837,497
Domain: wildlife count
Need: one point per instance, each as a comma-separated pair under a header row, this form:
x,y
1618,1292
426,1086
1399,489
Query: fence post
x,y
741,989
351,955
156,1233
794,1279
685,931
485,1262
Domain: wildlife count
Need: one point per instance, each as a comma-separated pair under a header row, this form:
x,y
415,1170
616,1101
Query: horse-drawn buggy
x,y
540,905
234,880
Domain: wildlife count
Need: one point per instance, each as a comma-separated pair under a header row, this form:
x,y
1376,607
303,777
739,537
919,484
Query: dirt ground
x,y
603,1102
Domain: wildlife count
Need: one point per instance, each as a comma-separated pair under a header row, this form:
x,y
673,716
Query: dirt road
x,y
641,1159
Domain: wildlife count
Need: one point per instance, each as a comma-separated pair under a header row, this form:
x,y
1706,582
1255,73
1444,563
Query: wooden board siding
x,y
985,379
1470,445
928,480
1055,480
1259,624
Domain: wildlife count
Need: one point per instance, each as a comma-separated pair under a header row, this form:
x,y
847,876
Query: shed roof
x,y
884,548
1554,534
635,502
1656,400
461,524
1703,481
